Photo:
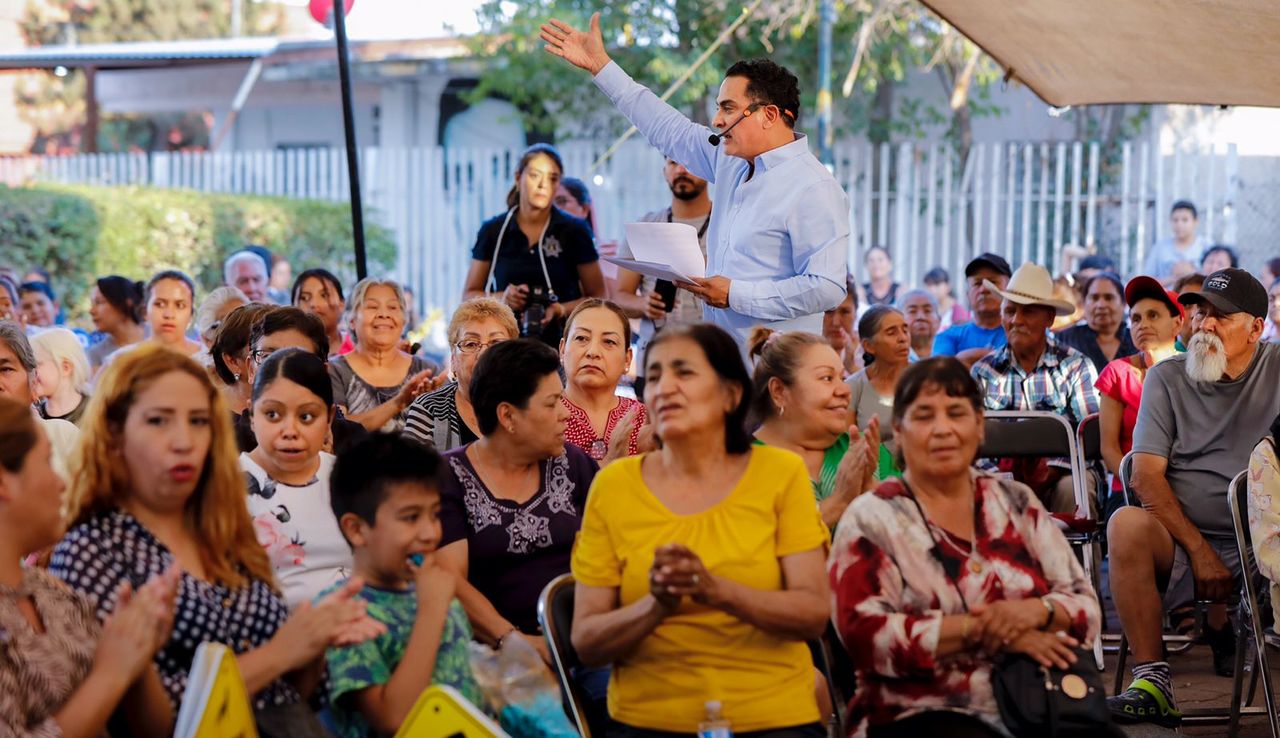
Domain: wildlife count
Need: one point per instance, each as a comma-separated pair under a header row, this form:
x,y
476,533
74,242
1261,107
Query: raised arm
x,y
666,128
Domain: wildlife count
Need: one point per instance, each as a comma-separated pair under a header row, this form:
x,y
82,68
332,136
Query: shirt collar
x,y
775,157
1049,359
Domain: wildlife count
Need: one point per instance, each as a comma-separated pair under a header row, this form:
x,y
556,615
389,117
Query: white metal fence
x,y
1023,200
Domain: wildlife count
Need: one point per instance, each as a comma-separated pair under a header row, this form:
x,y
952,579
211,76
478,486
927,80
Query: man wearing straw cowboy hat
x,y
779,234
1034,372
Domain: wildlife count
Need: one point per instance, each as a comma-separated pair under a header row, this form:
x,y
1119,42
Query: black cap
x,y
1231,291
988,259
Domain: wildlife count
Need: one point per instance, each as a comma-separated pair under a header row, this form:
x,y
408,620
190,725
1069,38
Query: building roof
x,y
144,54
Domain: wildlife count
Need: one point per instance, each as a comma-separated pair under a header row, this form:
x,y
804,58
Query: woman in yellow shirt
x,y
699,566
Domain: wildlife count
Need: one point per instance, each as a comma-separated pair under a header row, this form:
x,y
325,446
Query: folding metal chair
x,y
1089,442
1038,434
1231,714
1238,497
555,615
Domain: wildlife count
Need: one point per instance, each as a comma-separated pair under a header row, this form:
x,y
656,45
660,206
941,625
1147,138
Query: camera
x,y
535,309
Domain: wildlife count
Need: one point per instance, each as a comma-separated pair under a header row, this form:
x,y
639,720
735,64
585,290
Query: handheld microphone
x,y
715,138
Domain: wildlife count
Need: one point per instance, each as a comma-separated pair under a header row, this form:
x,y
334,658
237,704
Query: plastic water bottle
x,y
713,724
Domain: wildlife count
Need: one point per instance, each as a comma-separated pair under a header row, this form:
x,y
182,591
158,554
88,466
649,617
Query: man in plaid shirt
x,y
1035,372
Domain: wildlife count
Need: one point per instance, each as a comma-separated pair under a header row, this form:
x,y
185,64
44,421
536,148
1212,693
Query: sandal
x,y
1182,620
1144,702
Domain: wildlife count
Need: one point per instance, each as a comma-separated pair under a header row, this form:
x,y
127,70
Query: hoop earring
x,y
782,410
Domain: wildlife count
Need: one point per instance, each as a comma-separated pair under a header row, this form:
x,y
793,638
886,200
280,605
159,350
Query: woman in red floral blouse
x,y
937,573
595,352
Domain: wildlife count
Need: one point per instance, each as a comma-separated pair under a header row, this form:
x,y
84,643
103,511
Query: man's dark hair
x,y
509,372
771,84
1274,266
366,470
1184,205
289,317
1230,252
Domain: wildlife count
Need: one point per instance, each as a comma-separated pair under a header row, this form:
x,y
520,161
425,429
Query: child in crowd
x,y
288,475
386,497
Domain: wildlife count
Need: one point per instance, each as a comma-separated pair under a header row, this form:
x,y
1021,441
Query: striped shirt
x,y
432,419
1062,383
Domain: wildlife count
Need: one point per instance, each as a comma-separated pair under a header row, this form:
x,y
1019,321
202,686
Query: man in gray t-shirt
x,y
1201,414
691,205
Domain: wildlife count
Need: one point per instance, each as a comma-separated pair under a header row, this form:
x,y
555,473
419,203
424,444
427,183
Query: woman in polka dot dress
x,y
159,484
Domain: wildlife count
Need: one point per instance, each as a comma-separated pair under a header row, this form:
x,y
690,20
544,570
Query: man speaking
x,y
779,232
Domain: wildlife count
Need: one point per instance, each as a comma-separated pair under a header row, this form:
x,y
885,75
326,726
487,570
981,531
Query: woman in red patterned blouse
x,y
937,573
595,352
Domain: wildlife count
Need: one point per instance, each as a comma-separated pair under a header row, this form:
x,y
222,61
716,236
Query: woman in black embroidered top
x,y
511,503
159,485
542,249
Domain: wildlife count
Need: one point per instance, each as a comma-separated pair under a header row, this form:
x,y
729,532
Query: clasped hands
x,y
1014,626
678,572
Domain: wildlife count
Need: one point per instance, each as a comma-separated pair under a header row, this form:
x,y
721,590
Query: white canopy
x,y
1078,52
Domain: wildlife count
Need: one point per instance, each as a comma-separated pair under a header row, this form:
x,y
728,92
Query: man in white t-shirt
x,y
1179,254
637,294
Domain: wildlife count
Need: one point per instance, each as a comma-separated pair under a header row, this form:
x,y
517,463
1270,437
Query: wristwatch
x,y
1048,618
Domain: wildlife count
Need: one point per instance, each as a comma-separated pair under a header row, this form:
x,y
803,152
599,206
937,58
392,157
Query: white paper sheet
x,y
674,245
649,269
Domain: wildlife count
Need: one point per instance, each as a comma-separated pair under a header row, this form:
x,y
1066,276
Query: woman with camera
x,y
540,260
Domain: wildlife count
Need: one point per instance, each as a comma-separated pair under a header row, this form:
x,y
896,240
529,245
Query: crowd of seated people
x,y
298,482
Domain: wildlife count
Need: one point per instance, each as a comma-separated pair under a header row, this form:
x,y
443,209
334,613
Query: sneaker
x,y
1223,643
1143,702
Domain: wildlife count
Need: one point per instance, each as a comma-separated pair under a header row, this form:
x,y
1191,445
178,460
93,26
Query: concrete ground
x,y
1195,687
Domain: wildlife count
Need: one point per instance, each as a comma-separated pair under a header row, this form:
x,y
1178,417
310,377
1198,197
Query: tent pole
x,y
349,126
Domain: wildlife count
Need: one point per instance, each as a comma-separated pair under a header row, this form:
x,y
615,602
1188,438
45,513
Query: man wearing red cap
x,y
1201,413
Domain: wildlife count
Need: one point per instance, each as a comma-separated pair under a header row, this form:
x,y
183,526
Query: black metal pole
x,y
349,126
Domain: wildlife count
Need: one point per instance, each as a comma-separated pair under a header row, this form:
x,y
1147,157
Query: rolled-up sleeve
x,y
666,128
818,227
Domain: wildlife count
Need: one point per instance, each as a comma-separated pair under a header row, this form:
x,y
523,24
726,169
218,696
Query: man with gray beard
x,y
1201,414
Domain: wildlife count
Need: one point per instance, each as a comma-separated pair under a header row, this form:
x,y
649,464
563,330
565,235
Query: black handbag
x,y
1041,701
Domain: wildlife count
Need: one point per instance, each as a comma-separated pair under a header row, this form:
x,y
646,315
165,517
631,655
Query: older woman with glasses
x,y
377,381
445,418
230,352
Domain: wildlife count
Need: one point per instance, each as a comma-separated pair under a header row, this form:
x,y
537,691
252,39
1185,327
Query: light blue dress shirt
x,y
781,237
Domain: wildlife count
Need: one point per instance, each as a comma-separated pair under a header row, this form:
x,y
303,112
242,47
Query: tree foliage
x,y
55,105
878,42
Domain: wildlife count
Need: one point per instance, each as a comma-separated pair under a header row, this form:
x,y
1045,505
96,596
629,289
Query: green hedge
x,y
80,232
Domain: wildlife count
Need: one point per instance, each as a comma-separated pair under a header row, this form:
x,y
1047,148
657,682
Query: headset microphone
x,y
715,138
